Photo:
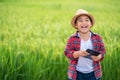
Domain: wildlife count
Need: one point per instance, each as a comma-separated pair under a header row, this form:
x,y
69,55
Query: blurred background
x,y
33,36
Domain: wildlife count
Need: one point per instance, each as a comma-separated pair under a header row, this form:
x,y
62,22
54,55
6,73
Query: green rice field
x,y
33,36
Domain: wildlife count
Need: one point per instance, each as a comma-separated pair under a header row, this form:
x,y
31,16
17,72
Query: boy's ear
x,y
90,25
76,26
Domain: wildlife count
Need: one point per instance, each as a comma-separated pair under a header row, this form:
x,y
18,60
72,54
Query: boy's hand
x,y
96,58
83,53
77,54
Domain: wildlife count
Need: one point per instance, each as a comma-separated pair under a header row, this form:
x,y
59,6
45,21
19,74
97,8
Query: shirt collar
x,y
78,34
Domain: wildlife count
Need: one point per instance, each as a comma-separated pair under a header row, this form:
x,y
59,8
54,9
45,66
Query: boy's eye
x,y
80,20
87,20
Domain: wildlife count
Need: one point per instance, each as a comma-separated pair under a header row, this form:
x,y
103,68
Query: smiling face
x,y
83,24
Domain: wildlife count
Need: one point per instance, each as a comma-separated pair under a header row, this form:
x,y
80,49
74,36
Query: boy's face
x,y
83,24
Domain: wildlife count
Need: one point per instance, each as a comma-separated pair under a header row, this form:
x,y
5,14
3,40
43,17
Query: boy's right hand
x,y
77,54
83,53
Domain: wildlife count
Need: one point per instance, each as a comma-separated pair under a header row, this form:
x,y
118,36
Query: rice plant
x,y
33,35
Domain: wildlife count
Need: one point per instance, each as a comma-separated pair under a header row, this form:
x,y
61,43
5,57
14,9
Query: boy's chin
x,y
84,31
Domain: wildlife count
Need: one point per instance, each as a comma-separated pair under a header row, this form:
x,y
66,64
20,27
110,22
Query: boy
x,y
84,66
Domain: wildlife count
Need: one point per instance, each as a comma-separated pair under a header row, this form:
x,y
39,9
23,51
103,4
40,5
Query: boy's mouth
x,y
83,26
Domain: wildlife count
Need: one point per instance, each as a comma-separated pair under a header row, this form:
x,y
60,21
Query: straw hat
x,y
79,13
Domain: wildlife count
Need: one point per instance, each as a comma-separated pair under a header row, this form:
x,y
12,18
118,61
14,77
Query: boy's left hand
x,y
96,58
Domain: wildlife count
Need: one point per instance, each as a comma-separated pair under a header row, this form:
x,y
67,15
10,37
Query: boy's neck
x,y
84,36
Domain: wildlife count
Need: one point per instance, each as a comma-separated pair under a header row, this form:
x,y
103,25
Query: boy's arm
x,y
69,50
102,49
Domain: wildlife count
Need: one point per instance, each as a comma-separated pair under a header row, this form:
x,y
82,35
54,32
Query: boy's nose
x,y
84,22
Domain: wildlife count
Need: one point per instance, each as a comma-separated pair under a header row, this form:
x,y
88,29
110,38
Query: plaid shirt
x,y
73,44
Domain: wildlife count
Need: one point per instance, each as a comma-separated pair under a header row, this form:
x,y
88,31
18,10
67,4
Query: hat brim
x,y
73,21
